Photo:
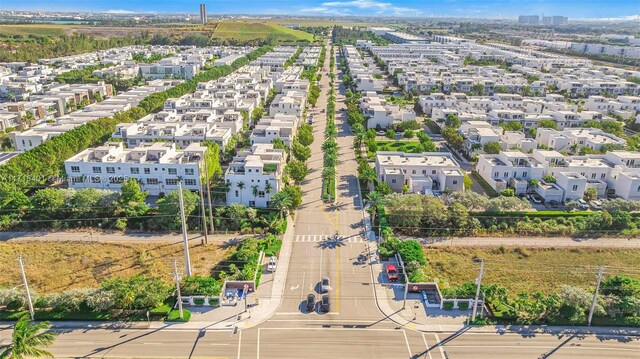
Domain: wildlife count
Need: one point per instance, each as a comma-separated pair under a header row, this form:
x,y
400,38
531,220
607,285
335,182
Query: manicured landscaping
x,y
174,315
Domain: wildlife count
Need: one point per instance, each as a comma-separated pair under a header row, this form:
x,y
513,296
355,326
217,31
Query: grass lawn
x,y
327,23
56,266
406,146
528,269
245,30
35,29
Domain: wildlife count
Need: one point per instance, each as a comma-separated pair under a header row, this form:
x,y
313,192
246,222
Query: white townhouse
x,y
254,176
614,172
381,114
280,126
426,173
289,103
591,138
157,166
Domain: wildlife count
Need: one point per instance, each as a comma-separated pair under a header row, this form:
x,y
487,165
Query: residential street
x,y
356,326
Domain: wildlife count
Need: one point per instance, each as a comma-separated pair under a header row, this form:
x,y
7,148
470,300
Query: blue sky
x,y
463,8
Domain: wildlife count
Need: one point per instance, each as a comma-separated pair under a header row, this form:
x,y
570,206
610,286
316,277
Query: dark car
x,y
325,305
311,302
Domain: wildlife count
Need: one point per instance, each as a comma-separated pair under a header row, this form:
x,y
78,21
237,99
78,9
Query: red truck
x,y
392,273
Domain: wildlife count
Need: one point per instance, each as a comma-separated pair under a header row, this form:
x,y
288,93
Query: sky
x,y
455,8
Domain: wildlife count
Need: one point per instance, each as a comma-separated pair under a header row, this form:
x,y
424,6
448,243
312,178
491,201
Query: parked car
x,y
583,205
536,198
273,263
596,205
311,303
325,285
380,133
392,273
325,304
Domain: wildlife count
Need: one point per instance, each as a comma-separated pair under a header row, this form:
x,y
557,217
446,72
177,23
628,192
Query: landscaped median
x,y
330,146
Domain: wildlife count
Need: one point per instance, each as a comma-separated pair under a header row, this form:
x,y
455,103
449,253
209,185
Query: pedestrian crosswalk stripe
x,y
328,238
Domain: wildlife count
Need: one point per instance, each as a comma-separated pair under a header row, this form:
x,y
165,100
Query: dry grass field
x,y
529,269
56,266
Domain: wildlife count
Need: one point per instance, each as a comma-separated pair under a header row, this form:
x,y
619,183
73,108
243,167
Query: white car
x,y
273,263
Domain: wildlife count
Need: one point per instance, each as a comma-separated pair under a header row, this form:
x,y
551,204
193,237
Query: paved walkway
x,y
96,236
606,242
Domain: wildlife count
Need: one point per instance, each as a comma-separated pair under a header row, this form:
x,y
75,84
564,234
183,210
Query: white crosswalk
x,y
325,237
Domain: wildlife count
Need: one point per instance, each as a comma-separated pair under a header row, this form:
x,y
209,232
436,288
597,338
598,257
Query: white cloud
x,y
119,11
369,6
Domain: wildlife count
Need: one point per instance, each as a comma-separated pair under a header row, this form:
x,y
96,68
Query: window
x,y
173,171
433,172
190,182
111,170
393,181
188,171
152,181
506,174
75,169
496,175
252,203
135,171
524,174
593,175
575,187
236,193
97,170
413,172
171,181
455,182
424,172
261,194
602,176
147,171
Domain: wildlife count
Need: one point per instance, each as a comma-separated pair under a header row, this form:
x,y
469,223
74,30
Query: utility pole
x,y
26,287
187,259
479,281
406,281
176,278
206,175
595,294
203,214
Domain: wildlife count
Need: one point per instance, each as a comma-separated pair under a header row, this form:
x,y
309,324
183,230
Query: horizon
x,y
479,9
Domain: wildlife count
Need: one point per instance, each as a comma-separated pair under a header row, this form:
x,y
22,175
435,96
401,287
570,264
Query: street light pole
x,y
595,294
479,281
26,287
203,214
185,240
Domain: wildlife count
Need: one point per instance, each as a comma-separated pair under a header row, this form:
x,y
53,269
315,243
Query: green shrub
x,y
174,315
198,301
463,305
447,306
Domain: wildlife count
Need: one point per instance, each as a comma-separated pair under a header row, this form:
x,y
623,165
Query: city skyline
x,y
588,9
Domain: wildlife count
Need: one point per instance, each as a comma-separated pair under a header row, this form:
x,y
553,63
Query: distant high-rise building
x,y
529,20
203,13
554,20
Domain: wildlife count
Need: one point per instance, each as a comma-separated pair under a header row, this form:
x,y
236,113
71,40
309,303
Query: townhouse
x,y
158,167
425,173
255,175
615,172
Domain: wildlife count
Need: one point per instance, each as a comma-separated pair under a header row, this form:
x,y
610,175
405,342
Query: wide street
x,y
355,327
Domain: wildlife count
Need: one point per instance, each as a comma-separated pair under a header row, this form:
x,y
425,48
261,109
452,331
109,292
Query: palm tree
x,y
240,187
373,199
268,187
254,190
28,340
281,201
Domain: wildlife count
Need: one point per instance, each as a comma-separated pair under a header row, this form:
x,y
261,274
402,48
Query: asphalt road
x,y
354,328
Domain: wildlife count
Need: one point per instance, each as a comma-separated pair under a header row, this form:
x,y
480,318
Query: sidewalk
x,y
608,242
105,237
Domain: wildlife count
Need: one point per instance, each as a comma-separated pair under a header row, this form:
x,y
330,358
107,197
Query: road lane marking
x,y
406,341
424,339
258,345
338,279
439,345
302,290
152,343
239,343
